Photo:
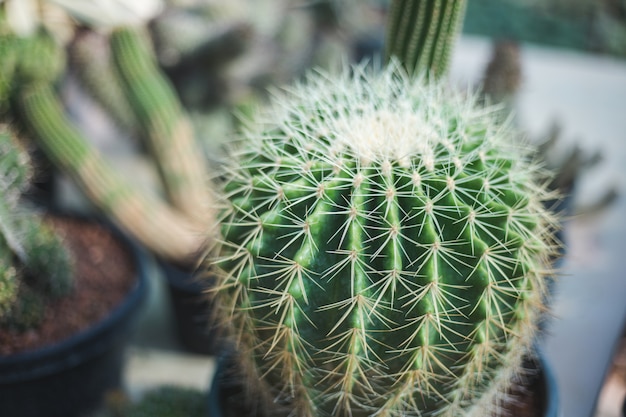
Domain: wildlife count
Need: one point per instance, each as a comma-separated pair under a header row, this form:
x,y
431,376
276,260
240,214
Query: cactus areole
x,y
384,249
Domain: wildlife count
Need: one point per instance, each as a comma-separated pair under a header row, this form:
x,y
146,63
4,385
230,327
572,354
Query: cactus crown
x,y
33,262
384,248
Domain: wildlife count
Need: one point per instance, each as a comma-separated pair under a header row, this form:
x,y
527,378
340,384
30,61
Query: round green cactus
x,y
384,249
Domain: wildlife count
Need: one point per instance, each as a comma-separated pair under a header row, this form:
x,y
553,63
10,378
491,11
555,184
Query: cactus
x,y
34,264
163,121
89,56
421,33
14,174
384,249
162,229
171,229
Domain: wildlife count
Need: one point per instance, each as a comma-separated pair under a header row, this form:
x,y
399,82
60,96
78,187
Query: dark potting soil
x,y
104,274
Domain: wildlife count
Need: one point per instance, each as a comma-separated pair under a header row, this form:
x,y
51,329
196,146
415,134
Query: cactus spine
x,y
33,260
384,249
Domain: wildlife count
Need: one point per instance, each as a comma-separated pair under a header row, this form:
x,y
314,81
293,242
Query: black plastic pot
x,y
225,387
547,387
192,310
71,377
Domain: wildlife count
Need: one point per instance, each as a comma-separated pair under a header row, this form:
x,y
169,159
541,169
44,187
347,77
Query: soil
x,y
104,274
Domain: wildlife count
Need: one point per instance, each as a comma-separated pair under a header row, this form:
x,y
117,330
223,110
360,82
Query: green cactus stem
x,y
170,136
384,251
149,219
90,58
421,34
8,57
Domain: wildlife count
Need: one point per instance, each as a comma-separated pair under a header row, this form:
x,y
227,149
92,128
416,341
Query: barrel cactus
x,y
384,249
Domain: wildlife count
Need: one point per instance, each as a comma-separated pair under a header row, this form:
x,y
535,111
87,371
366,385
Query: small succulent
x,y
34,264
162,401
384,250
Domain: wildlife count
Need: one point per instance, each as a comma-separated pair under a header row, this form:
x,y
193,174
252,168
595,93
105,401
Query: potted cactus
x,y
384,249
26,245
165,217
384,245
69,293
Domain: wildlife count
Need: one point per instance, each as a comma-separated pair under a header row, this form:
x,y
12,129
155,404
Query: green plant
x,y
168,224
34,264
385,249
421,33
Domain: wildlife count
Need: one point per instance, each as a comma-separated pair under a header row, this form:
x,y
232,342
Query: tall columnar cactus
x,y
33,261
385,249
162,120
421,33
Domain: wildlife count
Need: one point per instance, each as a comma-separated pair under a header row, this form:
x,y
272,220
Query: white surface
x,y
151,368
587,95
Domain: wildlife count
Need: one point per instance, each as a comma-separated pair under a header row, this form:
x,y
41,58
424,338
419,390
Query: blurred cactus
x,y
14,175
170,136
384,251
503,74
609,27
34,264
171,227
219,53
89,57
